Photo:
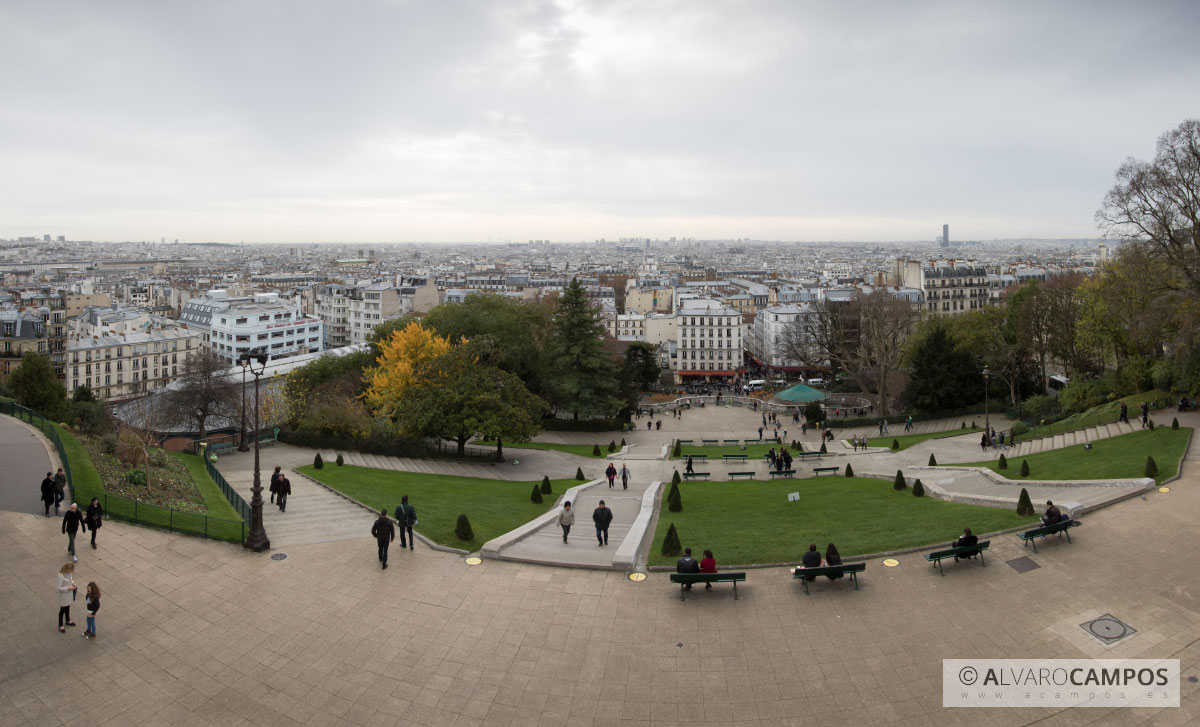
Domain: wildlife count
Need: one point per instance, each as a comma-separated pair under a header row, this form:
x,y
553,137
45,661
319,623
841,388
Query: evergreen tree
x,y
941,374
34,385
583,376
1175,423
1151,468
932,460
462,528
536,496
674,499
612,446
1003,463
678,451
1024,506
918,488
671,546
675,478
823,450
340,461
1024,468
546,490
899,484
895,445
849,470
622,441
579,474
595,450
318,463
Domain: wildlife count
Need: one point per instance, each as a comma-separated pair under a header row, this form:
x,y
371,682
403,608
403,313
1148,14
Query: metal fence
x,y
137,511
1086,420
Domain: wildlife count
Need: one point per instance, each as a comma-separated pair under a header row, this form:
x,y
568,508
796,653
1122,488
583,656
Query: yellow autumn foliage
x,y
399,358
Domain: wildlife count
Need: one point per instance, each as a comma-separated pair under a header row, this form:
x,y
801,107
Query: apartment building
x,y
21,332
333,307
949,288
232,326
124,366
709,343
766,340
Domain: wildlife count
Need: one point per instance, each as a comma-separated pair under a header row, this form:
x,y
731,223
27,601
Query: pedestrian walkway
x,y
25,465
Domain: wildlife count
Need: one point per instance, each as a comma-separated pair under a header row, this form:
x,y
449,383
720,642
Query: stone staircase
x,y
1068,439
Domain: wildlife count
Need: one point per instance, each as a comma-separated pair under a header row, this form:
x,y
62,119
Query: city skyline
x,y
575,121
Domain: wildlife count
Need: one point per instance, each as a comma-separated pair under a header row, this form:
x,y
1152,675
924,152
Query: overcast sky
x,y
449,121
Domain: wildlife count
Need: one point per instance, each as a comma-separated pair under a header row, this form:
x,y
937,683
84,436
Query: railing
x,y
234,498
125,508
1086,420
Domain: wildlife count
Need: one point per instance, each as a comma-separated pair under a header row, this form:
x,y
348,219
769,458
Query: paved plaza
x,y
197,632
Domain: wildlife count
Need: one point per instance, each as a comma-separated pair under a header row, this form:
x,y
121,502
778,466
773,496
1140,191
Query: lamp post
x,y
243,446
987,428
257,539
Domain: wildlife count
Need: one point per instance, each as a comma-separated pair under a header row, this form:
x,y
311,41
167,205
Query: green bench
x,y
697,457
807,574
685,442
730,442
734,457
781,473
817,471
710,442
806,455
218,447
695,475
965,551
736,475
1030,536
685,579
754,441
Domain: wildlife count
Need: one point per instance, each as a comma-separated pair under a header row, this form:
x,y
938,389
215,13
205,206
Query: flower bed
x,y
171,484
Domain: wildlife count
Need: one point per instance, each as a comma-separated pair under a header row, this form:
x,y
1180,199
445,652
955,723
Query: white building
x,y
232,326
709,346
769,332
128,365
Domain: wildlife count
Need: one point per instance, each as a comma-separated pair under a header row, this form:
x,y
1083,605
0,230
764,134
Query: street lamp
x,y
242,445
257,539
987,429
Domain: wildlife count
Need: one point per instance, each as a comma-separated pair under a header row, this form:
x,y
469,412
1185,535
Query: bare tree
x,y
143,422
205,390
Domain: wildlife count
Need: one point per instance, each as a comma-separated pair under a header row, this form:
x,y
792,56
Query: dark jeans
x,y
71,542
602,535
64,615
93,537
411,542
566,531
383,548
58,498
282,500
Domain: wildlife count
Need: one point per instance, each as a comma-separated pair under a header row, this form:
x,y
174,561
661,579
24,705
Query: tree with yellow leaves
x,y
399,358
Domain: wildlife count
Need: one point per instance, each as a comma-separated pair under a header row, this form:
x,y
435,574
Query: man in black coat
x,y
282,490
967,539
384,535
48,493
406,517
72,521
687,564
275,478
602,516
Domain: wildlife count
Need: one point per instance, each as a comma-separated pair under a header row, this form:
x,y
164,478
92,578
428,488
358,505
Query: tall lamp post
x,y
256,361
987,428
242,445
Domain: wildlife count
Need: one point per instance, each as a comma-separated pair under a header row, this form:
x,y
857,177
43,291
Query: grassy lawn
x,y
583,450
752,451
494,506
753,522
213,498
1108,459
908,440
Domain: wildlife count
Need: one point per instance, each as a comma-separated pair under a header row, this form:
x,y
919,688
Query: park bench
x,y
1030,536
685,442
218,447
695,475
965,551
805,455
736,475
709,442
734,457
754,441
818,471
730,442
697,457
829,570
684,579
781,473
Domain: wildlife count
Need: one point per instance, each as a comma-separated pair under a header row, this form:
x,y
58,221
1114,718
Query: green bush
x,y
918,488
932,460
1038,407
964,425
1019,428
579,474
1024,506
1150,423
108,444
1175,423
895,445
596,450
849,470
318,463
1151,468
1003,463
136,477
678,451
823,450
341,462
622,441
674,499
536,496
612,446
899,484
675,478
158,457
813,413
462,528
1024,468
546,489
671,546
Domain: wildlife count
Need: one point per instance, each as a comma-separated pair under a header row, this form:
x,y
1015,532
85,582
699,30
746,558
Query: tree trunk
x,y
462,444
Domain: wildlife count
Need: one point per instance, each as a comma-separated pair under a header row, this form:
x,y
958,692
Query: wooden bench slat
x,y
965,551
818,470
1064,526
685,579
807,574
782,473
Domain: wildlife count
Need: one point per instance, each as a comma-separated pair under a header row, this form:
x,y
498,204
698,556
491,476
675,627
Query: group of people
x,y
281,487
53,492
688,564
602,518
67,591
812,559
384,531
991,439
781,461
611,474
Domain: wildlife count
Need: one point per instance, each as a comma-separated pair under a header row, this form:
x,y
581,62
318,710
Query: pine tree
x,y
1003,463
849,470
918,488
462,528
318,463
339,460
1024,468
932,460
678,451
622,441
612,446
579,474
899,484
536,496
546,490
584,378
671,546
595,450
1151,468
1024,506
1175,423
823,450
674,499
675,478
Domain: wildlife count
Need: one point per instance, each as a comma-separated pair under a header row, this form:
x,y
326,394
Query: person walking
x,y
1124,413
384,535
48,493
406,518
566,519
283,489
689,470
60,488
624,476
94,518
66,595
611,473
602,517
91,602
907,428
275,478
72,521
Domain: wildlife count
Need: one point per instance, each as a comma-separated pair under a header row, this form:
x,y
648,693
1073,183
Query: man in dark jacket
x,y
48,493
282,490
406,517
687,564
275,478
72,521
967,539
60,488
384,535
602,516
811,559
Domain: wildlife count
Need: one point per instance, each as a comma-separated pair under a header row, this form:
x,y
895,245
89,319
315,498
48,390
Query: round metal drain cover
x,y
278,556
1109,629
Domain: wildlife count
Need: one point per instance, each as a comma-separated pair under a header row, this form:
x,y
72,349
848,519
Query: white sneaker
x,y
74,559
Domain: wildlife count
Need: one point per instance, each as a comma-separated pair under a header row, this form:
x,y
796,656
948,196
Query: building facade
x,y
118,367
710,341
232,326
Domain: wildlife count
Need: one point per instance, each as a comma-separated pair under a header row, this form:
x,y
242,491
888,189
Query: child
x,y
92,600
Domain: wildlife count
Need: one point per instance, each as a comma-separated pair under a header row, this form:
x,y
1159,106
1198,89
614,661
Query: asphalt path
x,y
23,465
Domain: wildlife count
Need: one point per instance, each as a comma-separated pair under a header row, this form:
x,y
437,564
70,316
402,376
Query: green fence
x,y
124,508
1107,414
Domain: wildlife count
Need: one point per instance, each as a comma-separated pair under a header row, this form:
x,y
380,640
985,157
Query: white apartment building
x,y
333,308
709,345
628,327
128,365
232,326
768,333
949,288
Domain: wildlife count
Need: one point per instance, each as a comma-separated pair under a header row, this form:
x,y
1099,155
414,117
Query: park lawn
x,y
748,522
583,450
214,499
493,506
752,451
1112,458
908,440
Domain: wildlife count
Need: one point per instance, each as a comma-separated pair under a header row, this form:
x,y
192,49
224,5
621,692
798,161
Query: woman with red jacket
x,y
708,564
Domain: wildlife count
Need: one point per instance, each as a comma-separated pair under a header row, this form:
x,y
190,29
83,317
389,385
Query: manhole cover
x,y
1023,565
278,556
891,562
637,577
474,560
1109,629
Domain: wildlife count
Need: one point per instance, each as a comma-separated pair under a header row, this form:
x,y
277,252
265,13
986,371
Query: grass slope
x,y
1108,459
583,450
213,498
493,506
753,522
908,440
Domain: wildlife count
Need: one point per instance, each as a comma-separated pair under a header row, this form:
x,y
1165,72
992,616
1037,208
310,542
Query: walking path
x,y
26,462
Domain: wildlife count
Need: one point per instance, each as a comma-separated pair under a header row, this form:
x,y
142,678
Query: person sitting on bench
x,y
687,564
967,539
708,564
833,557
811,559
1053,514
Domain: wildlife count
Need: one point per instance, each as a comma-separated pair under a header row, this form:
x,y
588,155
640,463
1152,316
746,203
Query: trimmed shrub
x,y
895,445
579,474
678,451
136,477
671,546
675,478
612,446
899,484
546,489
462,528
1024,506
536,496
932,460
918,488
1151,468
622,441
823,450
1003,463
1019,427
964,425
595,450
849,470
318,463
1150,424
340,461
1175,423
973,424
1024,468
674,499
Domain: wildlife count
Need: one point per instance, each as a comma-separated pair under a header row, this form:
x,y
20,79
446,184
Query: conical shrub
x,y
536,496
595,450
546,490
1003,463
612,446
1175,423
823,450
678,451
340,461
1024,506
622,441
318,463
1024,468
1150,424
849,470
899,484
895,445
1151,468
671,546
462,528
674,499
918,488
579,474
675,478
932,460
